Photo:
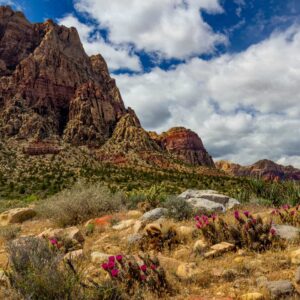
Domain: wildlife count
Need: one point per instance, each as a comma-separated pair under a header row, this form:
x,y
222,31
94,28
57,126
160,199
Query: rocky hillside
x,y
53,93
265,169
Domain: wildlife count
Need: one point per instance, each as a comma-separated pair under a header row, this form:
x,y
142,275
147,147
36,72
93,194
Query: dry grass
x,y
79,204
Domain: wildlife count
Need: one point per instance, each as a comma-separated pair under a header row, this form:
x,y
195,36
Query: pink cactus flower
x,y
153,267
236,214
111,265
199,225
247,214
112,258
53,241
273,231
286,207
143,277
293,212
143,268
114,273
214,217
104,266
197,218
119,257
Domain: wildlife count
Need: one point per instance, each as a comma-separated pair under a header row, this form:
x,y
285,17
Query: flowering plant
x,y
246,232
133,273
288,215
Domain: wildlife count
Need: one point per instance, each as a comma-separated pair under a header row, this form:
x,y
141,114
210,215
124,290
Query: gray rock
x,y
280,289
134,238
232,203
297,275
153,214
195,193
199,203
287,232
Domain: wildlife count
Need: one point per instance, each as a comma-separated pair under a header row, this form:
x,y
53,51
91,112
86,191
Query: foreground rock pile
x,y
197,269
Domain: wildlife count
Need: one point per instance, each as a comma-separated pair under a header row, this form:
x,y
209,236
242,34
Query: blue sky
x,y
227,69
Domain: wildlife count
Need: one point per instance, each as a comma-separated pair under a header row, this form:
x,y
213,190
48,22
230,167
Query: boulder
x,y
16,215
208,205
282,289
99,257
200,246
153,214
70,233
295,257
191,193
232,203
287,232
219,249
124,224
73,255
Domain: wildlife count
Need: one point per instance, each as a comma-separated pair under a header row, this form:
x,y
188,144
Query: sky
x,y
227,69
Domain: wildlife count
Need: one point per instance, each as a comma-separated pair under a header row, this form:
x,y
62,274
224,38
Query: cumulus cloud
x,y
170,28
116,56
244,106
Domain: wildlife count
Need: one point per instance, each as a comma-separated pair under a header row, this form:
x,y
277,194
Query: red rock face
x,y
186,145
264,169
50,88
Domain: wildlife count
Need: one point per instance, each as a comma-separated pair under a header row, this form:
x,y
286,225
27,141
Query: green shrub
x,y
178,209
39,272
9,232
80,203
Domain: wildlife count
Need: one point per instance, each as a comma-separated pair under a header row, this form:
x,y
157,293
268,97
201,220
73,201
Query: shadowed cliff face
x,y
50,87
51,91
265,169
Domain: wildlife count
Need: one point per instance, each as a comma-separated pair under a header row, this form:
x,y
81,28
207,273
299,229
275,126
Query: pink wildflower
x,y
292,212
111,258
119,257
247,214
53,241
153,267
273,231
104,266
214,217
111,265
237,214
197,218
143,277
114,272
199,225
143,268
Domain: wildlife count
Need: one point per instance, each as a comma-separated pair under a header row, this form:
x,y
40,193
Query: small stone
x,y
153,214
124,224
187,271
252,296
16,215
185,232
74,255
295,257
200,246
280,289
134,238
297,275
99,257
70,233
219,249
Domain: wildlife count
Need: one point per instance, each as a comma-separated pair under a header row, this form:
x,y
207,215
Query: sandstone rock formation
x,y
50,87
265,169
185,145
52,93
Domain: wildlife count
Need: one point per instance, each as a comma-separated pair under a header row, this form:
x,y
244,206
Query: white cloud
x,y
171,28
117,57
244,106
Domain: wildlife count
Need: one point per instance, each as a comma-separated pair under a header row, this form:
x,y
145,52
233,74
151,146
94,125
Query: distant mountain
x,y
265,169
52,94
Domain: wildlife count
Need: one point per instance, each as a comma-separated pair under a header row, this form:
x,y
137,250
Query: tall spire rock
x,y
50,88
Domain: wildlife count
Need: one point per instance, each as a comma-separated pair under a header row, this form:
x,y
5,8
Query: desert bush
x,y
247,232
39,272
178,209
134,277
9,232
80,203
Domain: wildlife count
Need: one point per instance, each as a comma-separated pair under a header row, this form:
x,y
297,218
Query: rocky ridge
x,y
265,169
52,92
